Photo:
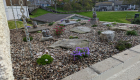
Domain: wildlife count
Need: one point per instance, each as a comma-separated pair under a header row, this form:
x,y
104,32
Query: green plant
x,y
59,30
83,23
71,18
51,23
121,45
71,37
78,20
114,23
133,32
29,20
45,59
94,26
38,31
61,25
99,32
24,39
136,21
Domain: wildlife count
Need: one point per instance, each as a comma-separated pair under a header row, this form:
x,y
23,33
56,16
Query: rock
x,y
106,23
81,29
123,28
94,21
70,22
107,35
46,38
70,43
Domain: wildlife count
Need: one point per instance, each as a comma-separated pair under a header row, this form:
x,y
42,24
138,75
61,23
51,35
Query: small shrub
x,y
24,39
136,21
51,23
131,33
99,32
71,18
121,45
59,30
38,31
61,25
71,37
29,20
109,25
81,52
94,26
78,20
83,23
45,59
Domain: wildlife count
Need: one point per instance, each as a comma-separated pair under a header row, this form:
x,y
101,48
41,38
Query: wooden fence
x,y
16,2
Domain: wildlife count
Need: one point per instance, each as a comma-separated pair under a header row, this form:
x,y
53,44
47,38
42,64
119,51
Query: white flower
x,y
46,59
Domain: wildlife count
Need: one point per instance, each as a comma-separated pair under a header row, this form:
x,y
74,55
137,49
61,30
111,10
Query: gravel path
x,y
63,64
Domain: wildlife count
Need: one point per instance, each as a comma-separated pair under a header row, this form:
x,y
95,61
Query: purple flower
x,y
89,20
28,27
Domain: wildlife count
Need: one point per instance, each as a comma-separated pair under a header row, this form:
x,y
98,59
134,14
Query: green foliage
x,y
78,20
99,32
71,37
61,25
38,31
41,61
83,23
94,26
136,21
51,23
114,23
131,33
28,20
121,45
71,18
24,39
67,7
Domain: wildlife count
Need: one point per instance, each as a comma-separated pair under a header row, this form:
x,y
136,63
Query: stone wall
x,y
6,72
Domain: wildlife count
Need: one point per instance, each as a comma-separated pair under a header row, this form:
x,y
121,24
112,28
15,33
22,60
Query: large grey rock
x,y
46,38
106,23
107,35
94,21
123,28
70,43
81,29
70,22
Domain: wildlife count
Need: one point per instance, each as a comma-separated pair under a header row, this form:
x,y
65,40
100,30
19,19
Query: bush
x,y
83,23
51,23
121,45
94,26
78,20
131,33
38,31
136,21
24,39
29,20
59,30
71,37
99,32
45,59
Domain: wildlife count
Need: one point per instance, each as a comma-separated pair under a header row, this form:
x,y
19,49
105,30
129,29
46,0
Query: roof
x,y
50,17
118,2
108,3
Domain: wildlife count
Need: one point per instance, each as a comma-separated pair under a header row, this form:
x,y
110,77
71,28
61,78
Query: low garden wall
x,y
6,72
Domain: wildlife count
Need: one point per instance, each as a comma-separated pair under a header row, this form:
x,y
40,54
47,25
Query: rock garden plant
x,y
78,20
133,32
73,37
80,53
83,23
51,23
59,30
94,26
99,32
24,39
45,59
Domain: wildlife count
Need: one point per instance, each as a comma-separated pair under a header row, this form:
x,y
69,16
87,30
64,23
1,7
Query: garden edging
x,y
112,68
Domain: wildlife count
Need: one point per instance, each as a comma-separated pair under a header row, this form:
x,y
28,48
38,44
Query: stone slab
x,y
136,48
123,28
81,29
106,23
128,57
70,43
46,38
71,22
36,29
107,67
84,74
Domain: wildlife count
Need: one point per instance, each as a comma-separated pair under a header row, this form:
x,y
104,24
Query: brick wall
x,y
6,72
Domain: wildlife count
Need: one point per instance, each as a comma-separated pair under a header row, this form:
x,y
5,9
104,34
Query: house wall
x,y
17,12
6,71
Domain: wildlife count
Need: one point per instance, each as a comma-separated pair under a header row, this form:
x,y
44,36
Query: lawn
x,y
19,24
111,16
38,12
58,9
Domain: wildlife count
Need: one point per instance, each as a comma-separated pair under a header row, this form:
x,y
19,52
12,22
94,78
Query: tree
x,y
67,6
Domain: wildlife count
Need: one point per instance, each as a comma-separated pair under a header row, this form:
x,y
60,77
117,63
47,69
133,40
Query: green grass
x,y
111,16
19,24
58,9
38,12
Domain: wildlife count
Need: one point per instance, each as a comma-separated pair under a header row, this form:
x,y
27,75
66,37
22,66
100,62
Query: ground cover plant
x,y
24,39
83,23
45,59
73,37
94,26
51,23
133,32
136,21
99,32
78,20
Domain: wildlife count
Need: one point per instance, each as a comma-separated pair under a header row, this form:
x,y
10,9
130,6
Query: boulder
x,y
80,29
70,43
106,23
107,35
123,28
46,38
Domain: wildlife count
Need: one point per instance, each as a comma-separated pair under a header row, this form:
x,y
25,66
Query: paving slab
x,y
70,43
81,29
107,67
84,74
136,48
71,22
36,29
128,57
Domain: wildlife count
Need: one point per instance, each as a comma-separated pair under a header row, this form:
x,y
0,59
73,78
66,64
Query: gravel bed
x,y
63,65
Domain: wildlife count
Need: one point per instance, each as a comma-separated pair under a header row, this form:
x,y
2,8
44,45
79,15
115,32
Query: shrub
x,y
81,52
94,26
78,20
29,20
83,23
51,23
59,30
45,59
131,33
24,39
121,45
99,32
71,37
61,25
136,21
38,31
